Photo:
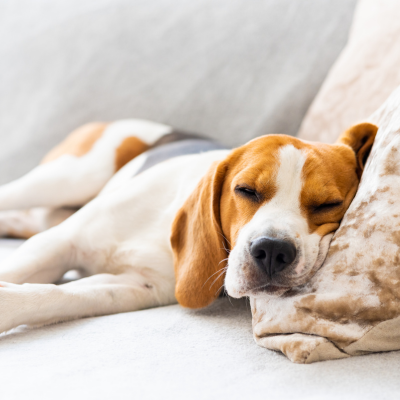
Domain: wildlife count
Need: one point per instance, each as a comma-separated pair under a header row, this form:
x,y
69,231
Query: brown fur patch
x,y
360,138
332,174
130,148
78,143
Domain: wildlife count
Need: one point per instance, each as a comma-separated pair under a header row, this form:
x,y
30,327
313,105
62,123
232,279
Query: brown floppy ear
x,y
198,243
360,138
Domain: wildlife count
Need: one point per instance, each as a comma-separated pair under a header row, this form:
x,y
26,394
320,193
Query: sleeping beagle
x,y
143,233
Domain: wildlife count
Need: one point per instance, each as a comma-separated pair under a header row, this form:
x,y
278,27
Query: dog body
x,y
149,233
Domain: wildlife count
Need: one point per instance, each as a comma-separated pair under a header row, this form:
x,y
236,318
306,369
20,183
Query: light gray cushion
x,y
233,69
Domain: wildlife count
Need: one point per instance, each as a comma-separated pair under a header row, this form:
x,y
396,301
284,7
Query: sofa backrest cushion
x,y
231,69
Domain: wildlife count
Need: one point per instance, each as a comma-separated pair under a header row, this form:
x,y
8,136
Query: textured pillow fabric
x,y
365,74
351,306
232,69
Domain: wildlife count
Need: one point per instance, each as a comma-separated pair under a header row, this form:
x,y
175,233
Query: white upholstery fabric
x,y
173,353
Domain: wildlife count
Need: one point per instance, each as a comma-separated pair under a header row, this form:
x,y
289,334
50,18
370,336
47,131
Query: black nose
x,y
272,255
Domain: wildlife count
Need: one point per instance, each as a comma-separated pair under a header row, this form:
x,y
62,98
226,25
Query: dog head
x,y
262,219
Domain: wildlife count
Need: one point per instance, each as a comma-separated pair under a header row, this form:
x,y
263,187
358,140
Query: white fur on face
x,y
280,218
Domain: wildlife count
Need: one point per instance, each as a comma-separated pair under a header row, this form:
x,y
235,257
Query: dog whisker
x,y
224,248
225,238
225,259
221,269
219,276
227,295
220,288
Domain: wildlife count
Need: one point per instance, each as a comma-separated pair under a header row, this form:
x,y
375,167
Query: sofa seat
x,y
171,352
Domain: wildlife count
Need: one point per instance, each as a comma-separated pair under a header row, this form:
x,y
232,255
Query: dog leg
x,y
75,171
38,304
23,224
68,181
44,258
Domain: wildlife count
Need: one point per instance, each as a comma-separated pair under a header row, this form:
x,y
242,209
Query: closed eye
x,y
248,192
329,206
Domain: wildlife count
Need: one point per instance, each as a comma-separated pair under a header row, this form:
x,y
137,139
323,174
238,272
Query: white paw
x,y
13,306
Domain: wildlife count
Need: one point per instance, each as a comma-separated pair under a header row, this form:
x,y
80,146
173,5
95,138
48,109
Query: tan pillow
x,y
364,75
351,306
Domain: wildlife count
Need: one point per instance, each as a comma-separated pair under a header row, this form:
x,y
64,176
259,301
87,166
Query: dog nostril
x,y
272,255
260,254
280,258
